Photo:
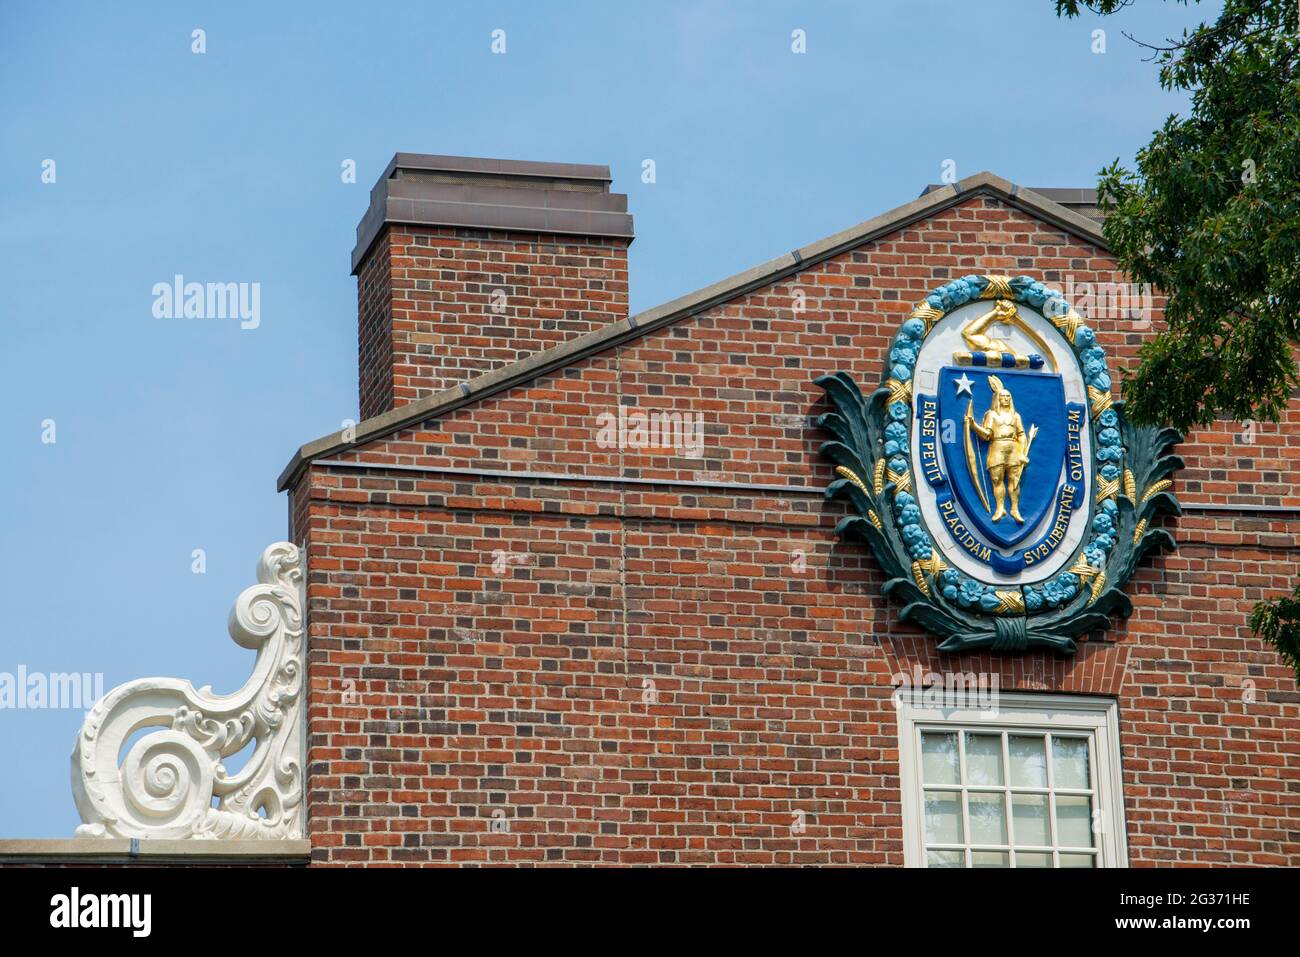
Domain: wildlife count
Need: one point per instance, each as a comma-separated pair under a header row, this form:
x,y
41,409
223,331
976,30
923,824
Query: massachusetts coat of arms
x,y
994,474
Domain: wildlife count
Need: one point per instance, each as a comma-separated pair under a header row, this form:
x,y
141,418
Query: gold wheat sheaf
x,y
1155,489
1101,401
923,569
1137,532
927,314
1087,572
845,472
919,577
1068,324
1010,602
900,391
902,481
999,287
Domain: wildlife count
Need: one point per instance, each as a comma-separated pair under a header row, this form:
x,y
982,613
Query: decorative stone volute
x,y
171,782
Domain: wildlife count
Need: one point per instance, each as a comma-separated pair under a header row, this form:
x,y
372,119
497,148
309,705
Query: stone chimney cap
x,y
505,195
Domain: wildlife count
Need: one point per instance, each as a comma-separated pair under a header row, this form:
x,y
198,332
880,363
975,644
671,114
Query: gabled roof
x,y
933,200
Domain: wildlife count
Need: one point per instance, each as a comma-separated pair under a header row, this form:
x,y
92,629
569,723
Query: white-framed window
x,y
1034,781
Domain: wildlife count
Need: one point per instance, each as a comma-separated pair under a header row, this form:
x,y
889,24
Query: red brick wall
x,y
665,674
430,315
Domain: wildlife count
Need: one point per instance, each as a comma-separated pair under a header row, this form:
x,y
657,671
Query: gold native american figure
x,y
1008,449
1001,427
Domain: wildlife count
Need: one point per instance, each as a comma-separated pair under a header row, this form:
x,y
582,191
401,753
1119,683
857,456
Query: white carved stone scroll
x,y
171,782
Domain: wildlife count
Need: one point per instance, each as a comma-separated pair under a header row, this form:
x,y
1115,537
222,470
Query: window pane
x,y
1070,762
939,758
1033,859
942,817
1073,820
1078,860
945,859
984,759
990,859
1028,761
1032,825
988,818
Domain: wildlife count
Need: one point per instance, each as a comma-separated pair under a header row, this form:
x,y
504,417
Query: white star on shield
x,y
963,385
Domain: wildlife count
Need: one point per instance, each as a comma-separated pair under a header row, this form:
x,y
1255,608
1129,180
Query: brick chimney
x,y
464,265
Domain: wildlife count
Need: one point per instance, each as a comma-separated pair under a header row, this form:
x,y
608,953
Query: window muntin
x,y
993,800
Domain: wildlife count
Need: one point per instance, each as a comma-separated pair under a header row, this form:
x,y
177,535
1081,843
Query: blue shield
x,y
1039,399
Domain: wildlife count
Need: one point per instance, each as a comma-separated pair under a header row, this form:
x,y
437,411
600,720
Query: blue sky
x,y
225,167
